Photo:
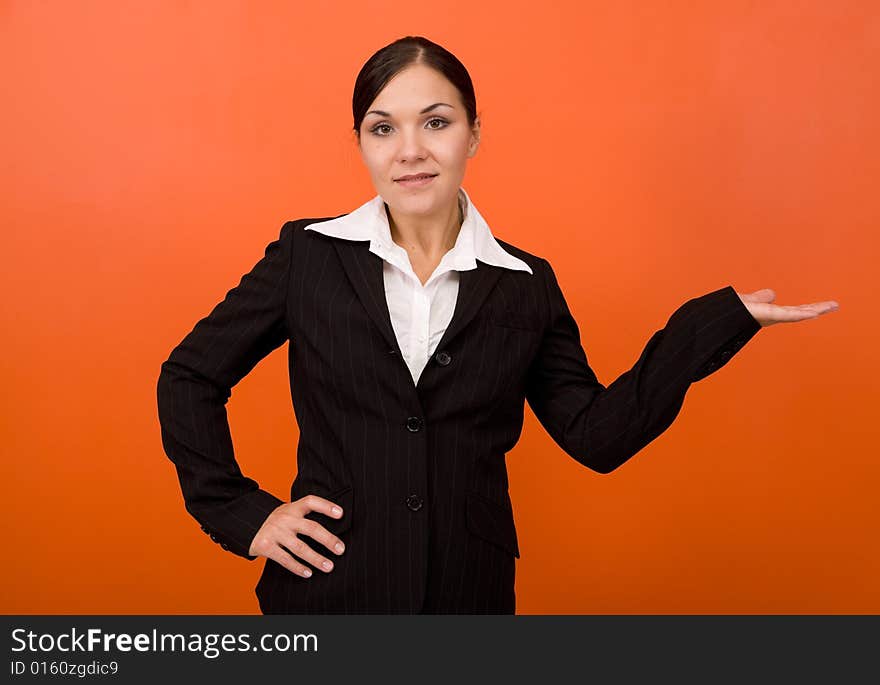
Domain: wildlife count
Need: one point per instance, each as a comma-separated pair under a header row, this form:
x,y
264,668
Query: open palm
x,y
761,307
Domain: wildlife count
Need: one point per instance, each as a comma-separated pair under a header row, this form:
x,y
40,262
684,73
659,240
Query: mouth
x,y
414,180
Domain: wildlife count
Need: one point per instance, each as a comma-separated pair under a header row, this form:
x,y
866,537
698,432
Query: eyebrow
x,y
427,109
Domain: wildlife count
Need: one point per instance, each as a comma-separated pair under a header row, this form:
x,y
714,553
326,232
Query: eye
x,y
383,129
375,129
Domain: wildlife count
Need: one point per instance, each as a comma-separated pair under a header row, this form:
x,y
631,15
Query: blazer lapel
x,y
474,286
365,271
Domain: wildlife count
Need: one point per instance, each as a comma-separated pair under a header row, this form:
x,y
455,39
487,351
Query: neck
x,y
426,237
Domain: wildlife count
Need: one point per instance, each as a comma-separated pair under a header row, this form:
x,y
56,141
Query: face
x,y
406,132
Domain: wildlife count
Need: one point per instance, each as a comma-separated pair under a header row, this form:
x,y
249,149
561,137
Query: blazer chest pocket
x,y
491,521
511,318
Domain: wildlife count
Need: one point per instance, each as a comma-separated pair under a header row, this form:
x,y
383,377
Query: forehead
x,y
413,88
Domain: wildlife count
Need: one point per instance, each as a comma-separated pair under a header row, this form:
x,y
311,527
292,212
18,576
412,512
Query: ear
x,y
475,138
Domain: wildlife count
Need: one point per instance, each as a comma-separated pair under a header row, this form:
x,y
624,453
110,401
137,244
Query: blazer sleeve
x,y
602,427
194,385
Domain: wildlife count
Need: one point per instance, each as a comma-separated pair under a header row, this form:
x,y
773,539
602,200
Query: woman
x,y
415,338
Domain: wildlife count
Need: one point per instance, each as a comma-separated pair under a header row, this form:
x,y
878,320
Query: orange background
x,y
150,152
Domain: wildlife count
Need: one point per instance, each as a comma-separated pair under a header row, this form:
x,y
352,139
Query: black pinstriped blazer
x,y
418,468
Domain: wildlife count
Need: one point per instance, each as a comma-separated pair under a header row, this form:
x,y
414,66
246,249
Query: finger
x,y
324,506
818,308
320,534
789,313
289,562
826,306
299,548
794,313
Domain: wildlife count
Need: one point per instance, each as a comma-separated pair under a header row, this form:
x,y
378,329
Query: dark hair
x,y
396,56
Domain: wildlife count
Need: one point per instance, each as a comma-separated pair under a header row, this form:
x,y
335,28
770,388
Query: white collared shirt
x,y
421,313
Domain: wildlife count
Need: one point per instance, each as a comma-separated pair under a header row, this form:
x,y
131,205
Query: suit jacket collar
x,y
475,239
365,269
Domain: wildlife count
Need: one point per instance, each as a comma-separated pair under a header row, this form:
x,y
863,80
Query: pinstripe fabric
x,y
421,313
419,468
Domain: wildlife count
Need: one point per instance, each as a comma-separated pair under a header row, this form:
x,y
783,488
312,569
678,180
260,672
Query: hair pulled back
x,y
393,58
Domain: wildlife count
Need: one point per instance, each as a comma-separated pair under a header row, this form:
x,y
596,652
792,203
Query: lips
x,y
414,177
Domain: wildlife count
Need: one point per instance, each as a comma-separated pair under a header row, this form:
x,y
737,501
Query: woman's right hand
x,y
281,528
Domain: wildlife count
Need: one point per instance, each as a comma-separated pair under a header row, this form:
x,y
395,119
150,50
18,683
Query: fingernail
x,y
340,547
336,510
327,565
307,573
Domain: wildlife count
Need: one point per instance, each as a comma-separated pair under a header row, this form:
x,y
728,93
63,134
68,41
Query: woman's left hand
x,y
761,307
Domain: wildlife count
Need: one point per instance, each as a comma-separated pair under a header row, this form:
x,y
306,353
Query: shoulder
x,y
299,225
294,231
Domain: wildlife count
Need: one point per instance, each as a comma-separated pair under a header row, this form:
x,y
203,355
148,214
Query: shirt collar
x,y
474,241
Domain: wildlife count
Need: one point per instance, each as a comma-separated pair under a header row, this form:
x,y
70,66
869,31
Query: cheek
x,y
457,161
460,151
375,160
452,154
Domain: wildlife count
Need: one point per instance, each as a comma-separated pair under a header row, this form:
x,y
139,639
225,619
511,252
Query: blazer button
x,y
414,424
224,545
414,502
443,358
213,537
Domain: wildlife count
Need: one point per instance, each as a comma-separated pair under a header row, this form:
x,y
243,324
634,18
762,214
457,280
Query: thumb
x,y
762,295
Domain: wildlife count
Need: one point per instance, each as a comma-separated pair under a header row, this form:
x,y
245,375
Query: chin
x,y
420,202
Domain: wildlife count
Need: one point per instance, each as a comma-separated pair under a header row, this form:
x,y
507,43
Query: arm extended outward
x,y
603,427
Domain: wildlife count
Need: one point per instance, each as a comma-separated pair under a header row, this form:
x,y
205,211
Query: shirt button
x,y
443,358
414,502
414,424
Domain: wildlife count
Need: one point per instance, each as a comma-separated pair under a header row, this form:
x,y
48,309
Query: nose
x,y
412,146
